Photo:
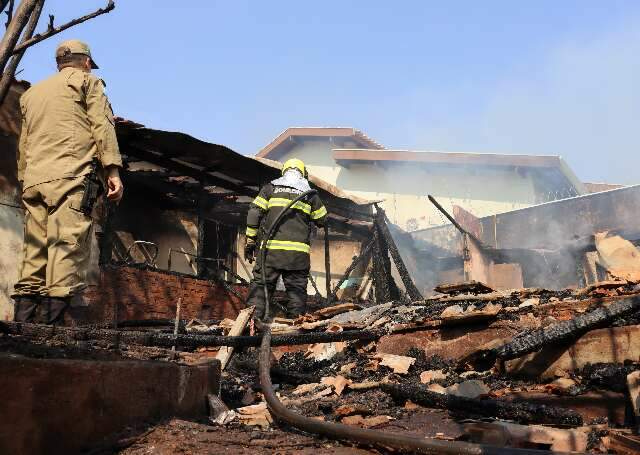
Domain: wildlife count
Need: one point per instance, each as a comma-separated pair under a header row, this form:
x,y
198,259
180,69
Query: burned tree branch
x,y
55,30
525,413
8,12
10,72
14,29
3,4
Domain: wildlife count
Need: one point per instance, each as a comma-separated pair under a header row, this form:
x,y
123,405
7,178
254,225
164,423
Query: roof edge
x,y
318,131
358,154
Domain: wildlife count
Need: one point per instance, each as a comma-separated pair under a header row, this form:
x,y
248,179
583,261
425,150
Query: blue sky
x,y
539,77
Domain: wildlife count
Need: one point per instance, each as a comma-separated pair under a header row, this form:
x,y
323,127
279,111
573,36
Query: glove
x,y
250,250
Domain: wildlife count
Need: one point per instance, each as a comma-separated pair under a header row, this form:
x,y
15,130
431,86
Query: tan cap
x,y
74,46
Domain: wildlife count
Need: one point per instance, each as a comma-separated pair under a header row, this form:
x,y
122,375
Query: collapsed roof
x,y
213,177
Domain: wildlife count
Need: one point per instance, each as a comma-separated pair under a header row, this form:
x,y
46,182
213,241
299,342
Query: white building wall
x,y
403,187
11,241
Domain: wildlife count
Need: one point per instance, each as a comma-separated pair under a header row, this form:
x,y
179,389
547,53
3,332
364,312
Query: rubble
x,y
519,412
619,256
332,366
633,383
511,435
399,364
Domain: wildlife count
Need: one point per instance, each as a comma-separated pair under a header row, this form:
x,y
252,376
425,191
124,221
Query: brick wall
x,y
149,294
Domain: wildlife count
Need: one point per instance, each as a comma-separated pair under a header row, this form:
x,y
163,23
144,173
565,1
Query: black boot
x,y
55,308
25,308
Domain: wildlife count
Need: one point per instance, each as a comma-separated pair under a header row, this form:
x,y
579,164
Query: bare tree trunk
x,y
14,30
55,30
9,74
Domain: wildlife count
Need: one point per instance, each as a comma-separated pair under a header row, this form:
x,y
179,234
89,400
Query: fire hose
x,y
346,432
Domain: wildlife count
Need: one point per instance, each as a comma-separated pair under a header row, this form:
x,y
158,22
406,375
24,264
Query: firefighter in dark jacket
x,y
289,247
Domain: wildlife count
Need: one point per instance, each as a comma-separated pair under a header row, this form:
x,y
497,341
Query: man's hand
x,y
250,250
115,188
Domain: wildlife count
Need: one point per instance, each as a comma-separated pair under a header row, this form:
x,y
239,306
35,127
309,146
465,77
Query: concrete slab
x,y
11,236
62,406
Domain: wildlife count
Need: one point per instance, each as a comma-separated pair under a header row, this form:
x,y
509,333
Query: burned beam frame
x,y
165,340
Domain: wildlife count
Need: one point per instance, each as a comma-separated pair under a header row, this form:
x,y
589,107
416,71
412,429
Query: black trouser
x,y
295,282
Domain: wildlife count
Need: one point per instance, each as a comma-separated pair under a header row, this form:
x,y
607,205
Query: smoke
x,y
581,101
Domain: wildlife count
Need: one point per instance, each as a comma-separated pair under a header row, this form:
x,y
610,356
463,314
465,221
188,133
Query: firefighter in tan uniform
x,y
67,129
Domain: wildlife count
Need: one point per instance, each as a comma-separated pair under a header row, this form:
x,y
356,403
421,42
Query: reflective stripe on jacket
x,y
289,247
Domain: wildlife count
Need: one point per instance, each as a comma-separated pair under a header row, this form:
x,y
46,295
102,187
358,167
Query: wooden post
x,y
327,262
225,353
176,325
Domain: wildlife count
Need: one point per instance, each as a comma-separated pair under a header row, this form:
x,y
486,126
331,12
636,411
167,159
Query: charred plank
x,y
166,340
565,331
525,413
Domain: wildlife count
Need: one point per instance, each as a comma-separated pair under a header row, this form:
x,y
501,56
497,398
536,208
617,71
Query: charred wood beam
x,y
522,412
282,375
232,273
565,331
379,278
315,286
185,169
364,255
447,215
335,207
201,266
356,231
183,194
285,376
55,30
153,323
385,287
105,239
165,340
457,225
327,262
412,290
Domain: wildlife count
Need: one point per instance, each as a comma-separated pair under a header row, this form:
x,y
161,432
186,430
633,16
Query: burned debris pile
x,y
469,359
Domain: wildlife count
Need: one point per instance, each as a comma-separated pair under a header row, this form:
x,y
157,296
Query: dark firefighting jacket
x,y
289,247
